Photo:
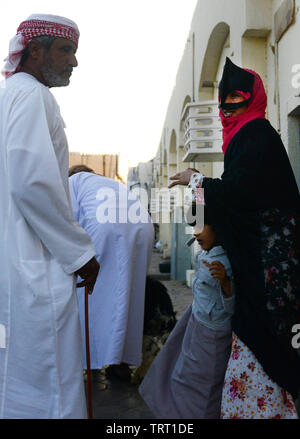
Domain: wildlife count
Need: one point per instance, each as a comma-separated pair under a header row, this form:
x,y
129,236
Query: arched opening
x,y
172,162
180,150
187,100
165,167
215,46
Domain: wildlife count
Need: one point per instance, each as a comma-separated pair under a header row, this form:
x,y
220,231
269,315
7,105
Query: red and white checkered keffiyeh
x,y
35,26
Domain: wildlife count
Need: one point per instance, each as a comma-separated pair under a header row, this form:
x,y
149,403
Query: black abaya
x,y
256,197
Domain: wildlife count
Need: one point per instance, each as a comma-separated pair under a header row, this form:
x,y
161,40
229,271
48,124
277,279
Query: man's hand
x,y
88,273
217,270
182,178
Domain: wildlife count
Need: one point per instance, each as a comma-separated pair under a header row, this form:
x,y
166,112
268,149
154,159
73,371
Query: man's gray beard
x,y
52,78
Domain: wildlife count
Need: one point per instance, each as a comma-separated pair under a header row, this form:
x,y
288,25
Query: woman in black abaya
x,y
255,210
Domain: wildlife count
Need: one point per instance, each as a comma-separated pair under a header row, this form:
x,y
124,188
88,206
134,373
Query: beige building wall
x,y
103,164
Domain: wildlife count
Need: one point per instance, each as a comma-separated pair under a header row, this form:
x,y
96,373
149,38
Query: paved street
x,y
120,400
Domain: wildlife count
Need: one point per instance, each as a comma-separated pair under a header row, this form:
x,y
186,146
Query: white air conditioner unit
x,y
202,132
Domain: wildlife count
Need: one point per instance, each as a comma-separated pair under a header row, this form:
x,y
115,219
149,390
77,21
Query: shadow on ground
x,y
116,399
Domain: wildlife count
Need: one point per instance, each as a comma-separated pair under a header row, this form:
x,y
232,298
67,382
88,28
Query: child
x,y
185,380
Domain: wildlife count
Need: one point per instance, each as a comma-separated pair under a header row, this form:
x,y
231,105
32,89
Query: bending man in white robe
x,y
42,247
116,308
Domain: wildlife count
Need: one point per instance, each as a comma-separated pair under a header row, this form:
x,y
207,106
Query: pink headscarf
x,y
256,110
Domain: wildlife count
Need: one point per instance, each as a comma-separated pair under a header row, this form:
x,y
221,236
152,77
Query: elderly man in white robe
x,y
42,248
123,234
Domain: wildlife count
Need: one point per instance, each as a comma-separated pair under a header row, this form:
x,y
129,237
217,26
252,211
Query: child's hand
x,y
217,270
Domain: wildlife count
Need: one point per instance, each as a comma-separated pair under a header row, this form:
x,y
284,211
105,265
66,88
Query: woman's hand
x,y
217,270
182,178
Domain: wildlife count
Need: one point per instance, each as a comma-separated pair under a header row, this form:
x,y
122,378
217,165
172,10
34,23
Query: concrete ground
x,y
119,399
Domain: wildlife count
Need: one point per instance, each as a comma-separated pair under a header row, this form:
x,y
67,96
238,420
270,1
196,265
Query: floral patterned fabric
x,y
281,271
249,393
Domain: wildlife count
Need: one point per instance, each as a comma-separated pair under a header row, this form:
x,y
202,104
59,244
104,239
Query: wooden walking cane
x,y
88,361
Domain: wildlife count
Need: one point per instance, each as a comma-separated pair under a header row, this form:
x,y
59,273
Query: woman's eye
x,y
236,95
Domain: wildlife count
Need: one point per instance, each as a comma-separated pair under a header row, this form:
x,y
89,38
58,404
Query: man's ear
x,y
36,50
